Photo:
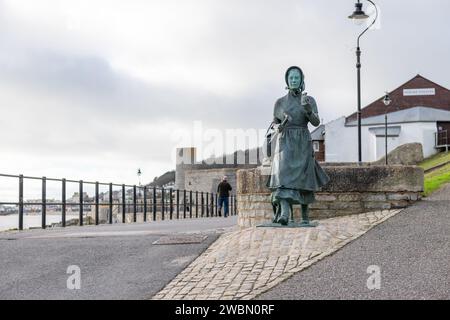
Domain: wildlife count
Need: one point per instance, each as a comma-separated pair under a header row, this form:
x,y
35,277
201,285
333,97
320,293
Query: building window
x,y
316,146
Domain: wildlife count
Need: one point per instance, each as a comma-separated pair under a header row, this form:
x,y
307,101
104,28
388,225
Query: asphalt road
x,y
115,262
412,250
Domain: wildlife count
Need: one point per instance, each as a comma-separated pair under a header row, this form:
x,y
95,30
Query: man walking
x,y
224,189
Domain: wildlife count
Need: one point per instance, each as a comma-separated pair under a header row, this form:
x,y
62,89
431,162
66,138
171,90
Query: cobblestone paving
x,y
243,264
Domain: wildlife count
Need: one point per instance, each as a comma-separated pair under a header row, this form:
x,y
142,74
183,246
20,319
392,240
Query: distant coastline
x,y
11,221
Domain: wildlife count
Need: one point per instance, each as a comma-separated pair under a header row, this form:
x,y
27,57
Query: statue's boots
x,y
305,214
276,212
285,212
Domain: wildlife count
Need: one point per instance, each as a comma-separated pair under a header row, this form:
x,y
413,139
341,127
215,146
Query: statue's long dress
x,y
295,173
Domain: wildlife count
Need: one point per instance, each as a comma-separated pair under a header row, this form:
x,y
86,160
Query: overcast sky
x,y
95,89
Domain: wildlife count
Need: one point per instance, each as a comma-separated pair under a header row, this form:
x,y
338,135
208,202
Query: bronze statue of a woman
x,y
295,174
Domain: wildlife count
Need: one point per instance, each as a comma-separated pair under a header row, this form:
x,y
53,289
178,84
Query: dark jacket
x,y
224,189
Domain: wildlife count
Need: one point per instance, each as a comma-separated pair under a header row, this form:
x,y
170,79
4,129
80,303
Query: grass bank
x,y
436,160
435,179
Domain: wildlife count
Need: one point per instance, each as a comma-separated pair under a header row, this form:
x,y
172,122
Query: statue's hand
x,y
306,102
308,108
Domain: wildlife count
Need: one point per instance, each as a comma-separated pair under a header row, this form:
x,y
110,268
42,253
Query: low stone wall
x,y
352,190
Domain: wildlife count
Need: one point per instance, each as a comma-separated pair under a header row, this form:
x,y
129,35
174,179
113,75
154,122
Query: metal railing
x,y
159,203
441,138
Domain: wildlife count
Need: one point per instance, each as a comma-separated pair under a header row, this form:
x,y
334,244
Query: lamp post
x,y
359,15
387,101
139,173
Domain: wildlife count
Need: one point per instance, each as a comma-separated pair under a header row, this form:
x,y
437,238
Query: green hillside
x,y
438,159
435,179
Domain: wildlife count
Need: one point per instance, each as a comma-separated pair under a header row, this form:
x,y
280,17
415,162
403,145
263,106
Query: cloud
x,y
93,80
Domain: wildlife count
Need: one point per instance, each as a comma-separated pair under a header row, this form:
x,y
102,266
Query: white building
x,y
419,112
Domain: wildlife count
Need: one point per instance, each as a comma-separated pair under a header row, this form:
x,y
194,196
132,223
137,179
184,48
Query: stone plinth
x,y
352,190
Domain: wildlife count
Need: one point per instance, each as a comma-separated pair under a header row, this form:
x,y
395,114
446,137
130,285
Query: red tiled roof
x,y
441,100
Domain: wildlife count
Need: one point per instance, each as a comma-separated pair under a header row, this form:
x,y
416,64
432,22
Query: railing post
x,y
163,205
234,207
215,198
134,204
196,204
110,203
171,203
97,201
81,202
190,204
21,202
178,204
184,204
63,202
124,205
207,204
230,205
446,140
145,203
44,201
201,203
212,204
154,204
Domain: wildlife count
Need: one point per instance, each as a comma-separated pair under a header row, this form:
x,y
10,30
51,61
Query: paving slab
x,y
261,258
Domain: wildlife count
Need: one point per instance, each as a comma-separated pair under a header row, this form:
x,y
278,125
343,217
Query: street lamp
x,y
359,15
139,173
387,101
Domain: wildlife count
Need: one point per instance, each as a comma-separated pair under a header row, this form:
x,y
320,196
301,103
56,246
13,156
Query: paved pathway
x,y
116,261
243,264
412,250
129,229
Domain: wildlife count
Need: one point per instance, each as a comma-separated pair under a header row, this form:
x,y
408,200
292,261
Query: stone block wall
x,y
207,180
352,190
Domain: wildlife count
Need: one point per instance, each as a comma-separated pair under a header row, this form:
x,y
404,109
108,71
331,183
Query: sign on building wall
x,y
419,92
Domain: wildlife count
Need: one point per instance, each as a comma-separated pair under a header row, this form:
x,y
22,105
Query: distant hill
x,y
164,180
240,154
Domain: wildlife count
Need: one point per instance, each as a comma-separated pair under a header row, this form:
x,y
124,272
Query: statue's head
x,y
295,79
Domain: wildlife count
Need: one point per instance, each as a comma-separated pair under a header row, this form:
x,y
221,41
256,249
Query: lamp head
x,y
358,15
387,100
